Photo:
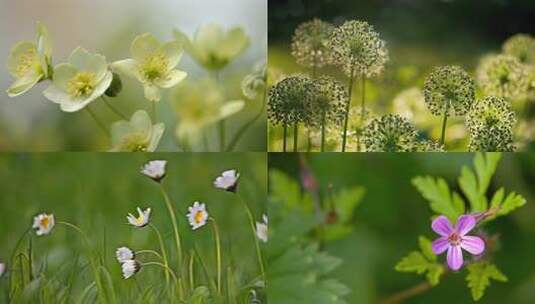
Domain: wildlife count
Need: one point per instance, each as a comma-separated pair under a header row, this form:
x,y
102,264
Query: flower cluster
x,y
502,76
389,133
491,122
521,46
358,49
449,90
310,43
289,100
328,103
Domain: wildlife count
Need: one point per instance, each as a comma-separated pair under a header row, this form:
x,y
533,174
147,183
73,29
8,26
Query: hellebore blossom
x,y
453,239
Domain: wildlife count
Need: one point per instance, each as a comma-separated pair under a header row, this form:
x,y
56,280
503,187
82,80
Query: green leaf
x,y
414,262
426,247
474,184
345,202
479,276
437,192
421,262
287,191
510,203
433,273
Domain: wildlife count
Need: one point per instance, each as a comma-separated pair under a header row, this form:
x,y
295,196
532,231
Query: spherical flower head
x,y
502,76
262,229
197,215
213,47
429,146
289,100
521,46
141,220
450,90
43,223
491,122
358,49
199,105
29,62
154,169
124,254
130,268
80,81
328,100
2,269
153,64
228,181
453,239
136,135
390,133
255,82
410,103
310,43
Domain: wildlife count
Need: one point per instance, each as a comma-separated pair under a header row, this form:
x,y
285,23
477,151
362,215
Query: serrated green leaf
x,y
497,198
469,186
479,276
437,192
510,203
474,184
426,247
434,272
485,165
414,262
346,200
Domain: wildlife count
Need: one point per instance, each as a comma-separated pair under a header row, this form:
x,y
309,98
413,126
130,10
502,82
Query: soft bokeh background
x,y
32,123
420,34
96,192
392,215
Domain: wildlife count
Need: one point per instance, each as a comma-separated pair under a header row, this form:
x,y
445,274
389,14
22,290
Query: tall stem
x,y
296,135
309,142
162,249
97,121
171,211
113,109
253,229
323,132
444,121
284,135
348,106
363,101
169,270
217,240
191,272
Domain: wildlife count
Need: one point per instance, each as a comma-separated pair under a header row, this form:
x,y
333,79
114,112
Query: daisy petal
x,y
473,244
442,226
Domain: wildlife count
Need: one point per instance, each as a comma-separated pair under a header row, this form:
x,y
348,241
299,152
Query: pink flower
x,y
453,239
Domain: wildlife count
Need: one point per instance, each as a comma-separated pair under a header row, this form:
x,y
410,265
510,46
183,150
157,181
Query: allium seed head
x,y
329,98
429,146
357,47
390,133
310,43
502,76
521,46
449,88
289,100
490,123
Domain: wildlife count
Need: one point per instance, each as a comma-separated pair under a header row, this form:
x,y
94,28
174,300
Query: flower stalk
x,y
253,229
348,106
217,240
171,211
162,249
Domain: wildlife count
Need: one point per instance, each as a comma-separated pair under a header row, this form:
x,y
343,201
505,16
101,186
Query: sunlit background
x,y
31,122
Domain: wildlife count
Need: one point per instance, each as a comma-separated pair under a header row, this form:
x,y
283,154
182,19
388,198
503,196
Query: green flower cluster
x,y
290,99
328,102
310,43
521,46
502,76
390,133
449,90
491,122
358,49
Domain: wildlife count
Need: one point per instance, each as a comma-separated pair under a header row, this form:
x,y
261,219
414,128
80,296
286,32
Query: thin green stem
x,y
171,211
348,107
323,132
175,278
253,229
78,230
309,142
296,135
444,122
284,135
113,109
191,271
363,101
97,121
217,240
162,249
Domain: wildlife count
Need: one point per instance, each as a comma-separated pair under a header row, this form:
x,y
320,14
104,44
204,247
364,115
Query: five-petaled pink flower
x,y
453,239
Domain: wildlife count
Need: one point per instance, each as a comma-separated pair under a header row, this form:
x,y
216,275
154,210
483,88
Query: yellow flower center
x,y
135,142
199,216
45,221
81,85
155,66
28,61
140,220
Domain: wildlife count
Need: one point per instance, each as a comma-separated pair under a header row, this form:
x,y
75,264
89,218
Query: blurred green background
x,y
96,192
419,35
32,123
393,214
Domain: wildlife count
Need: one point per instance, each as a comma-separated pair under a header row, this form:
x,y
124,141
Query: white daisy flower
x,y
262,229
197,215
43,223
130,268
228,181
154,169
124,254
2,269
142,220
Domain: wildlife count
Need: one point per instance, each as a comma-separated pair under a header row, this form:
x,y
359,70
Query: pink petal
x,y
455,257
473,244
442,226
440,245
465,223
